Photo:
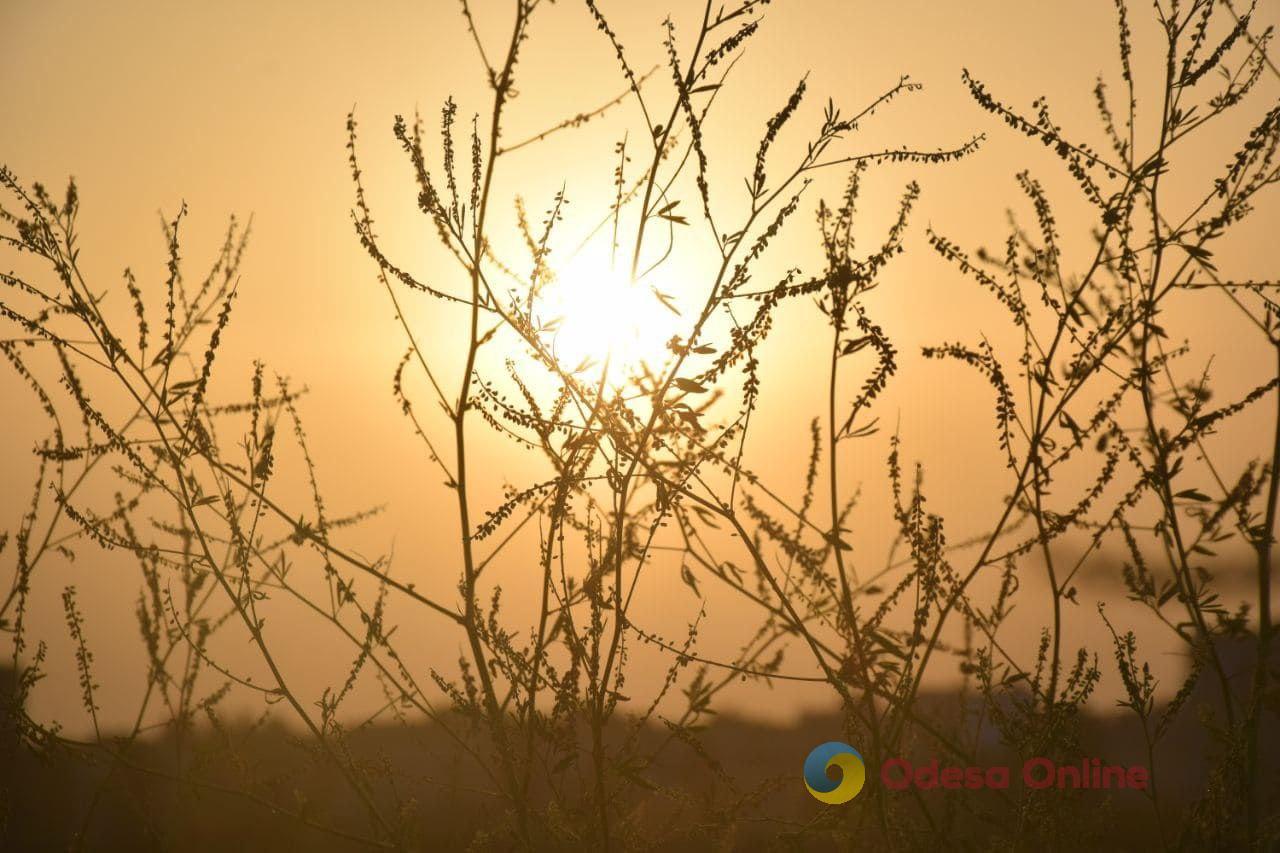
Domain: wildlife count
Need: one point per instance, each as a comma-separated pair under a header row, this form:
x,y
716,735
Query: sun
x,y
599,317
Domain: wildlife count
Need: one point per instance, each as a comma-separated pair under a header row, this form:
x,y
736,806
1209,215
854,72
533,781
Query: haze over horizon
x,y
240,108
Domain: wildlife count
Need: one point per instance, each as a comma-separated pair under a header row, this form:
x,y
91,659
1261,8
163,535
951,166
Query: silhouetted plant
x,y
639,458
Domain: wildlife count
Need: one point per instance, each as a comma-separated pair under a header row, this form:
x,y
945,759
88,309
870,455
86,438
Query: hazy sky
x,y
240,107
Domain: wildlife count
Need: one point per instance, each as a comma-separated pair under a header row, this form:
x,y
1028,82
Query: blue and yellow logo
x,y
853,773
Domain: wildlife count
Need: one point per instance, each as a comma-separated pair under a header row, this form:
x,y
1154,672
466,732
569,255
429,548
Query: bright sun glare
x,y
605,317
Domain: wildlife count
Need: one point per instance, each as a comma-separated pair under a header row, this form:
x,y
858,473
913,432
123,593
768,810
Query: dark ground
x,y
60,799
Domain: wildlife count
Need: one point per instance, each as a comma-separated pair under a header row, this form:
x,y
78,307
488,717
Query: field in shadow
x,y
259,786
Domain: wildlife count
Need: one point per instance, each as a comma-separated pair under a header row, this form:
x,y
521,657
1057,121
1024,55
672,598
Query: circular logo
x,y
853,773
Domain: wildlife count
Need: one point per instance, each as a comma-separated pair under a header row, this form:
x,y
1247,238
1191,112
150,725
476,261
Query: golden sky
x,y
240,107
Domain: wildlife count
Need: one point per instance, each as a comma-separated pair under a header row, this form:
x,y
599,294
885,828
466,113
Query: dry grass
x,y
634,460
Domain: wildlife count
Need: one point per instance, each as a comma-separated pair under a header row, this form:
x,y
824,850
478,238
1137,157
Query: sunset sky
x,y
240,108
